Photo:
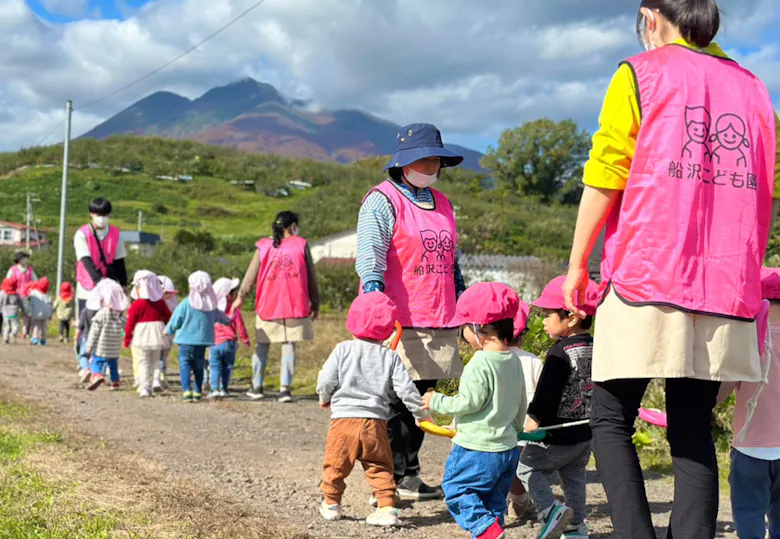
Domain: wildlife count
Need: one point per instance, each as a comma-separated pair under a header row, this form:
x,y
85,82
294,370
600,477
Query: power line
x,y
174,60
44,139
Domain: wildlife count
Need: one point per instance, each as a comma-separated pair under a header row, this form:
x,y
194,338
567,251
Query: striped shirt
x,y
376,222
105,334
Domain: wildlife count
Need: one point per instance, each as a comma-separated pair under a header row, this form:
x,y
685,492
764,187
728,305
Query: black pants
x,y
65,329
405,437
689,405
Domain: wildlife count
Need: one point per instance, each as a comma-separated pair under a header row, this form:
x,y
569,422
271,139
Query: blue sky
x,y
472,68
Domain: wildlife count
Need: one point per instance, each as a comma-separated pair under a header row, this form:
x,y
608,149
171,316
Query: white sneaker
x,y
554,521
386,516
373,502
330,512
145,392
157,386
212,395
577,532
255,394
85,376
223,394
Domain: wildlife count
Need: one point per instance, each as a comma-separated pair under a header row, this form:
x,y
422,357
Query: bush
x,y
338,283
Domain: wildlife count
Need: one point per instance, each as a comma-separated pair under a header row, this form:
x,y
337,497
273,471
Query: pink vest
x,y
691,229
283,280
421,260
108,245
22,278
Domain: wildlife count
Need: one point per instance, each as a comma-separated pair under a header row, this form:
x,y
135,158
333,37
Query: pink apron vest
x,y
22,278
691,229
283,280
109,246
421,260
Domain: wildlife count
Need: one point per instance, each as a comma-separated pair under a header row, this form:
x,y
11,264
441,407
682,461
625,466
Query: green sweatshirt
x,y
490,405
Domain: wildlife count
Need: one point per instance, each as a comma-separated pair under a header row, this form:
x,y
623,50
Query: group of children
x,y
28,309
505,391
205,319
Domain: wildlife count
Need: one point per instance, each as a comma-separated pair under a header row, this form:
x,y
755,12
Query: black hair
x,y
20,255
585,323
283,221
396,174
520,337
697,20
100,206
505,329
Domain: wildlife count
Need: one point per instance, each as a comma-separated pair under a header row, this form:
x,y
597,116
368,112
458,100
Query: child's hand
x,y
89,351
531,425
426,400
325,405
426,418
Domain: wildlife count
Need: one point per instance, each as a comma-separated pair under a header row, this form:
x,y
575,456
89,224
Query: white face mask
x,y
648,46
420,180
100,221
476,335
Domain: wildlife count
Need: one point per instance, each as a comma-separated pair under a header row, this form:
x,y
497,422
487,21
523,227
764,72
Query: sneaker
x,y
577,532
84,375
157,386
412,488
34,342
518,504
330,512
223,394
114,386
285,396
373,503
213,395
495,531
255,394
42,342
136,383
62,339
97,379
386,516
196,396
554,521
145,392
187,396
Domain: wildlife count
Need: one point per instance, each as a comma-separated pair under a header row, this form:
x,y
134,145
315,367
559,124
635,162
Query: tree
x,y
539,158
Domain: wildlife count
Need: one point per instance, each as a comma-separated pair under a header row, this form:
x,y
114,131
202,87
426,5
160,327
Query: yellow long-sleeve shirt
x,y
614,143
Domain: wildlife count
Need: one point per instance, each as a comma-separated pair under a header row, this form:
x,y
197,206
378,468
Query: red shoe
x,y
493,532
97,379
115,386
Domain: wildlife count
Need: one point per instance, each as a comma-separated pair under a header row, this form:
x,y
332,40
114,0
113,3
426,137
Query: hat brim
x,y
404,158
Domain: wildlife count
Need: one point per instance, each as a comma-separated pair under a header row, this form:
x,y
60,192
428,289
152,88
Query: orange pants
x,y
364,440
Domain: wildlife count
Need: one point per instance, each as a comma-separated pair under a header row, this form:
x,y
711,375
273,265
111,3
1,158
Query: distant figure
x,y
65,310
40,310
24,274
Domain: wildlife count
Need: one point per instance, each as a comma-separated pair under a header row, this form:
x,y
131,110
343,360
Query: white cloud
x,y
474,68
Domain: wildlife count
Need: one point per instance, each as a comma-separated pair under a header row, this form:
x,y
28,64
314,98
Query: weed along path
x,y
263,457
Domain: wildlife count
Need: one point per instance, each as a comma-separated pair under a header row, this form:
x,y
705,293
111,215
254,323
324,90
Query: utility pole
x,y
140,221
64,197
28,213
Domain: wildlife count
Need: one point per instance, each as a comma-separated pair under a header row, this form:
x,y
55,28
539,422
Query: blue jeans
x,y
191,362
259,364
476,484
83,357
755,495
222,360
99,365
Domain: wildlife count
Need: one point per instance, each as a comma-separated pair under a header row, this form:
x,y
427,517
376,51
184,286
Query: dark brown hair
x,y
697,20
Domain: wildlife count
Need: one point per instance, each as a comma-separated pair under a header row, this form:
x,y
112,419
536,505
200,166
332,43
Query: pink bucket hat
x,y
372,316
552,296
521,319
770,283
485,303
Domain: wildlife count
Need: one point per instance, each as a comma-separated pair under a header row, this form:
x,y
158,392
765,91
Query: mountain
x,y
254,117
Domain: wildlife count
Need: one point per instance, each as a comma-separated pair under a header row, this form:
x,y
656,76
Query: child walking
x,y
519,500
192,324
489,409
755,457
84,324
13,308
357,383
169,296
104,343
65,309
563,395
222,356
145,331
40,311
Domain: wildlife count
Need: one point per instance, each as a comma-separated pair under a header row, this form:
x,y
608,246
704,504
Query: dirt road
x,y
263,453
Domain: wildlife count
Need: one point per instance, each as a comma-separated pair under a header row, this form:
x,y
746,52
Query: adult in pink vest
x,y
407,248
286,302
682,173
100,252
24,274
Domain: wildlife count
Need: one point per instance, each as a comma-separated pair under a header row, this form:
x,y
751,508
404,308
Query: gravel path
x,y
266,453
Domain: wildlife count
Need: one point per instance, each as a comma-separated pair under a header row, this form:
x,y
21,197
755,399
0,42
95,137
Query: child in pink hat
x,y
562,396
489,409
357,383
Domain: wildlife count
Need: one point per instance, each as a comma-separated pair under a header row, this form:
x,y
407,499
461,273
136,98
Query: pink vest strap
x,y
283,280
691,229
421,260
108,246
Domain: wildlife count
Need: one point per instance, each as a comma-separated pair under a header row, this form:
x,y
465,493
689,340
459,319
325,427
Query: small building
x,y
15,235
336,246
526,274
143,243
299,184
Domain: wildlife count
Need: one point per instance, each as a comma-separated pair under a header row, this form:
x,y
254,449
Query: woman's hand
x,y
238,303
315,315
574,290
531,424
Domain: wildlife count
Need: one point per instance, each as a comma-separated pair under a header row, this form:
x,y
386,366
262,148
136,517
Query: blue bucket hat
x,y
419,141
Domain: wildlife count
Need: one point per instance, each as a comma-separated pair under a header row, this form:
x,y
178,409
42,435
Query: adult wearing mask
x,y
24,274
682,280
100,252
287,300
407,242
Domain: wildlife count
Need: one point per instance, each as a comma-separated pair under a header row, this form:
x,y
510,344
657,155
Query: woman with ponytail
x,y
682,172
287,300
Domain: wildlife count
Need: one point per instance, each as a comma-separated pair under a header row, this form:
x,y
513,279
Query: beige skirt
x,y
662,342
431,354
284,330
